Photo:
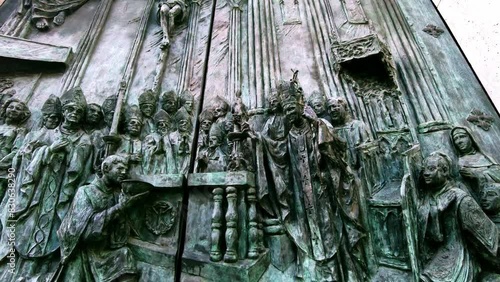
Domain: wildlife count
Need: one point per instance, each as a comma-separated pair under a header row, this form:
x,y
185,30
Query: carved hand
x,y
253,135
136,158
129,201
467,172
58,145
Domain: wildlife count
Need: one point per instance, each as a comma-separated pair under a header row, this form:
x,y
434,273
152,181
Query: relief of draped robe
x,y
452,225
48,9
158,157
315,220
93,246
50,182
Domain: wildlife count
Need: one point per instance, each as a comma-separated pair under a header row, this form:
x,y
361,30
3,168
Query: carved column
x,y
189,47
215,249
253,232
319,31
234,53
263,56
420,86
231,254
416,80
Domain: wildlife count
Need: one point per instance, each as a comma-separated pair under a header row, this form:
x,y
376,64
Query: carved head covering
x,y
52,105
186,96
316,96
219,106
169,95
74,96
317,102
133,112
217,131
182,114
206,114
109,104
169,102
162,121
161,115
148,97
282,86
182,120
475,146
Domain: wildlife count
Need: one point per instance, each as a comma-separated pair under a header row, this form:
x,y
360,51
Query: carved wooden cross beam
x,y
18,54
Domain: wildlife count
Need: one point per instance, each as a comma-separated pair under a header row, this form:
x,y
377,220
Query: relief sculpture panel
x,y
227,140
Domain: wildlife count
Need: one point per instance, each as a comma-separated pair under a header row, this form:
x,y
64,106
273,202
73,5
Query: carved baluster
x,y
253,222
231,225
260,238
215,252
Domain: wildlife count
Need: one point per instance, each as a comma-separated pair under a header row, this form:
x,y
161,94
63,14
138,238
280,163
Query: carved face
x,y
214,141
188,105
73,113
147,110
94,114
434,175
15,111
229,125
170,106
51,120
490,199
162,126
205,125
183,125
219,111
274,104
462,141
293,113
318,107
337,111
134,126
117,172
108,117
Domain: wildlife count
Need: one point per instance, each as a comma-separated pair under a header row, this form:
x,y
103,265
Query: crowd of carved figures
x,y
55,156
63,170
309,184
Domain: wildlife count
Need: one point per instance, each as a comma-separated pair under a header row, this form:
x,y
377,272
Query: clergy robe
x,y
94,246
20,163
354,133
52,178
181,149
131,146
158,156
317,222
272,156
452,225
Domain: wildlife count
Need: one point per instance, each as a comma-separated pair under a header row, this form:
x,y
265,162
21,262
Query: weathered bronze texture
x,y
228,140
